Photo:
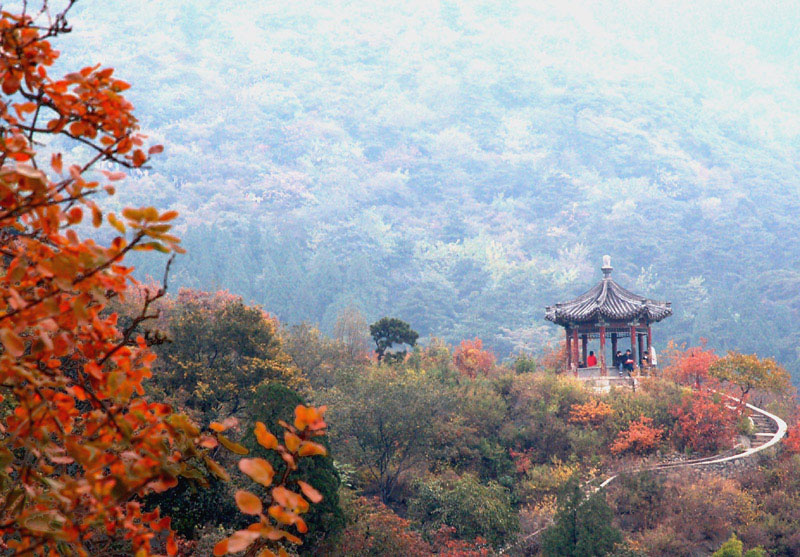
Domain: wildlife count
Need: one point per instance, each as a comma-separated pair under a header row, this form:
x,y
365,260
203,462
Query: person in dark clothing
x,y
628,359
618,360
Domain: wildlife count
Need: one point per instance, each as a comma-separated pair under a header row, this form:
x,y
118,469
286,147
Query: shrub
x,y
473,509
704,422
640,437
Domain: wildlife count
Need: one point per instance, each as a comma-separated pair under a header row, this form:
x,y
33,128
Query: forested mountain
x,y
462,165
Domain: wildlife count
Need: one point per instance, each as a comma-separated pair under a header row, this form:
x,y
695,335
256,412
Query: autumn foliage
x,y
80,443
472,360
792,440
640,437
690,366
376,530
705,422
592,413
748,372
283,506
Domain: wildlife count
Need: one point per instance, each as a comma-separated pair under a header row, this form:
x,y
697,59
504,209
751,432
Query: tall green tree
x,y
390,331
222,350
385,417
583,526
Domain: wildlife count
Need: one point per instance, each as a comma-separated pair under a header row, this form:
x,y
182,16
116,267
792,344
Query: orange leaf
x,y
55,162
264,437
292,441
248,503
312,494
309,417
155,149
289,500
114,176
309,448
221,548
218,427
139,158
13,344
241,540
97,216
258,469
10,84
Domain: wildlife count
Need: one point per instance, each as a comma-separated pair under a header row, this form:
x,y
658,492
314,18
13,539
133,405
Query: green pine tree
x,y
583,526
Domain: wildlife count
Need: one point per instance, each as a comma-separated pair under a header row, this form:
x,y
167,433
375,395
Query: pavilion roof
x,y
608,301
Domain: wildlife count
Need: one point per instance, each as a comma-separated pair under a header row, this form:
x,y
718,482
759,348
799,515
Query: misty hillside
x,y
462,167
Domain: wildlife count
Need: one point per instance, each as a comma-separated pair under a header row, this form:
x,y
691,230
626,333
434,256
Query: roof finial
x,y
606,268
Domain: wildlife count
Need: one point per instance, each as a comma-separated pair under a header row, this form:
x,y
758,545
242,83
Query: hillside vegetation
x,y
463,165
457,167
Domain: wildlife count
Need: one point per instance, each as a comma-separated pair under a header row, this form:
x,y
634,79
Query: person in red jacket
x,y
591,360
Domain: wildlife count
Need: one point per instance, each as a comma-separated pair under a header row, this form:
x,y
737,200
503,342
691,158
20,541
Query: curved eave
x,y
647,315
610,302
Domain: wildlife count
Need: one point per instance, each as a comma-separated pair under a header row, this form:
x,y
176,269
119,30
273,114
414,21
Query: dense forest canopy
x,y
462,165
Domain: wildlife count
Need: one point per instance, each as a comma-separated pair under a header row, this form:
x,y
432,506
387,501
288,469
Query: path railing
x,y
764,437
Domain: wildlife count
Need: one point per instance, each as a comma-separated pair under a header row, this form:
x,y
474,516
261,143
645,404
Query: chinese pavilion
x,y
607,310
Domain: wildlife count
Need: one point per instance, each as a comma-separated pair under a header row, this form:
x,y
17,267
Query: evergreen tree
x,y
390,331
583,526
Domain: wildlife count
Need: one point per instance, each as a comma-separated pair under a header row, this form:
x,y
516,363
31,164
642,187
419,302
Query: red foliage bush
x,y
704,422
640,437
792,440
377,530
445,545
471,359
592,413
690,366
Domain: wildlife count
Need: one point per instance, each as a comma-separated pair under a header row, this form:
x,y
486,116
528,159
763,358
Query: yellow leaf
x,y
231,446
132,214
216,469
113,221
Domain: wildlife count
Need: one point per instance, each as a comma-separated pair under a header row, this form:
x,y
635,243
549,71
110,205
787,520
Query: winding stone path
x,y
770,429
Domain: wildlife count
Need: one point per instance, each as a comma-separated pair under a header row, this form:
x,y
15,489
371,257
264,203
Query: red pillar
x,y
649,340
575,351
603,370
569,349
633,345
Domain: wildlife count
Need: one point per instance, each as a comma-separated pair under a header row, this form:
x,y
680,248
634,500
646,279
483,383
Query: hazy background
x,y
461,165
